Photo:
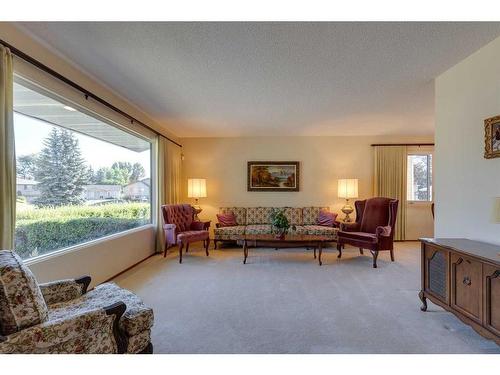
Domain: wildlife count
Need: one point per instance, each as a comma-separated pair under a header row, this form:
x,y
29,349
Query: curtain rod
x,y
76,86
402,144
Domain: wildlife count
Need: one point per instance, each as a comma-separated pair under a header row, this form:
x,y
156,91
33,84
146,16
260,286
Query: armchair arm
x,y
383,231
200,225
349,227
169,227
90,331
64,290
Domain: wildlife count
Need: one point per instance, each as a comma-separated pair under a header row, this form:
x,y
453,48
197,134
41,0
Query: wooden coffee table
x,y
290,240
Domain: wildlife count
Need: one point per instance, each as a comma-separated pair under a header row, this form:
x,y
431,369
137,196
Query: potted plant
x,y
280,223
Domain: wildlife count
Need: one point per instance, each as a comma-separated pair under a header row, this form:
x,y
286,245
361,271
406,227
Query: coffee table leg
x,y
320,248
245,251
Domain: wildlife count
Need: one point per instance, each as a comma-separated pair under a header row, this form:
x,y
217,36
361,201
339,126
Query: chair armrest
x,y
349,227
169,226
64,290
383,231
200,225
89,331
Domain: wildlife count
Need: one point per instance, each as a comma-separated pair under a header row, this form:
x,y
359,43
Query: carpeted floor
x,y
283,302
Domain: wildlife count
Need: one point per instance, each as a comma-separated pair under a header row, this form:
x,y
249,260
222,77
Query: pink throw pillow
x,y
326,219
227,220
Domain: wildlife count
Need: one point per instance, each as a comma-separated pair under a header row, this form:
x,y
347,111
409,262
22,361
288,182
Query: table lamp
x,y
197,188
347,189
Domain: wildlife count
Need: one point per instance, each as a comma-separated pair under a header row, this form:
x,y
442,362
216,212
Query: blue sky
x,y
30,133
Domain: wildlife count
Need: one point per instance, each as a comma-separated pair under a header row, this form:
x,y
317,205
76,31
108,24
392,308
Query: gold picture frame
x,y
492,137
273,175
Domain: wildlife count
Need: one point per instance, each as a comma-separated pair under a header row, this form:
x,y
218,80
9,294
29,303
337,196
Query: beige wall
x,y
103,259
323,160
467,185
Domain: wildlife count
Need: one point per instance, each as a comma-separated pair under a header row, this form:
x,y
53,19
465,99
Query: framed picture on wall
x,y
492,137
273,176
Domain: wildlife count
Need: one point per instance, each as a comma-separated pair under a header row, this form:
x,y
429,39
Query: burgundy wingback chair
x,y
180,228
373,229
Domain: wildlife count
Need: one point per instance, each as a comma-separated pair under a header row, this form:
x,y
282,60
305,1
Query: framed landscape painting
x,y
492,137
273,176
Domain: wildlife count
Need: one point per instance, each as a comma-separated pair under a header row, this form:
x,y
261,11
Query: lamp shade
x,y
348,188
197,188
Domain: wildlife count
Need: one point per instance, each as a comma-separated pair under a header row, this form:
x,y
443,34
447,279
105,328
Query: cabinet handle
x,y
467,280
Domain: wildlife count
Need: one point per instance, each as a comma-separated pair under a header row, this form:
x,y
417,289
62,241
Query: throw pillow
x,y
227,219
326,219
21,300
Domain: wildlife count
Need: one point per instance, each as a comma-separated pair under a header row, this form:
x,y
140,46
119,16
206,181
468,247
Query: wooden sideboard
x,y
463,277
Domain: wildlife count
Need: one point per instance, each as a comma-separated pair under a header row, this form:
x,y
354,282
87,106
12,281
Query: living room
x,y
250,187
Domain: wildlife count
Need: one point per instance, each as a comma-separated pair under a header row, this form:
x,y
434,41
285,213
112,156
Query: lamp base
x,y
196,210
347,210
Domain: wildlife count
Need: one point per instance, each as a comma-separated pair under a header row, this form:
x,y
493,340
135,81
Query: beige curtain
x,y
7,152
390,181
169,181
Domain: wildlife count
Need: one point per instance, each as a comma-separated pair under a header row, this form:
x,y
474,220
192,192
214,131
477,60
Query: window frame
x,y
146,135
430,161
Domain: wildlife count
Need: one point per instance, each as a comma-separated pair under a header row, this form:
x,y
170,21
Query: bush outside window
x,y
78,177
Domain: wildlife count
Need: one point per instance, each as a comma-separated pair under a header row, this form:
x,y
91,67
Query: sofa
x,y
63,317
257,220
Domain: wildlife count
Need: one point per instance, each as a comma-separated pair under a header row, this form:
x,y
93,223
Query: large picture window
x,y
79,178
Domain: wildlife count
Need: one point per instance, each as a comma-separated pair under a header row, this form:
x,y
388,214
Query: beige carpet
x,y
283,302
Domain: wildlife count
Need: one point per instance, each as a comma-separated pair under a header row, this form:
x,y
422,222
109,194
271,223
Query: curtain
x,y
169,181
7,152
390,181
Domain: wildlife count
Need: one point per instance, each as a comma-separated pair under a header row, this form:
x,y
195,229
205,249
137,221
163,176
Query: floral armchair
x,y
62,317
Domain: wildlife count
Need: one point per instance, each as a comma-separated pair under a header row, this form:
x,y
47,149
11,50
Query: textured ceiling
x,y
249,79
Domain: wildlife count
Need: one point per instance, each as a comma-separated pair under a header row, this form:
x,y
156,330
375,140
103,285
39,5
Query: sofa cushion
x,y
258,229
360,236
136,319
21,301
229,233
310,214
326,219
321,230
259,215
239,212
227,219
294,215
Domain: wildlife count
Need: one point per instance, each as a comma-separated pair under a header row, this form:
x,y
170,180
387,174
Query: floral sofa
x,y
257,220
62,317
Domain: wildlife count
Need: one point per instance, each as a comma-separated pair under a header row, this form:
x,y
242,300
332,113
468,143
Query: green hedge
x,y
40,231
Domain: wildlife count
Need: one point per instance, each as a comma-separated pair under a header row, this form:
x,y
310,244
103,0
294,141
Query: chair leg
x,y
314,253
187,247
215,244
392,255
361,250
165,251
207,242
339,248
375,256
180,252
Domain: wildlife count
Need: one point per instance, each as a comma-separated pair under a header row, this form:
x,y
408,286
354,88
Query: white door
x,y
419,220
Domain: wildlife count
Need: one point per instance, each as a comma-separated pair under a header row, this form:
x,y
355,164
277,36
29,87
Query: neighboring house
x,y
27,188
97,192
139,190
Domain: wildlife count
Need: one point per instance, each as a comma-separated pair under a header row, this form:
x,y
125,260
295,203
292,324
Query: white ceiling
x,y
249,79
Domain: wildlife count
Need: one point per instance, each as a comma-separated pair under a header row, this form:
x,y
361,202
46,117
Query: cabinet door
x,y
491,276
466,286
436,272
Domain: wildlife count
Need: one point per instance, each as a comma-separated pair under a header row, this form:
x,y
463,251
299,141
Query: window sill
x,y
58,253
